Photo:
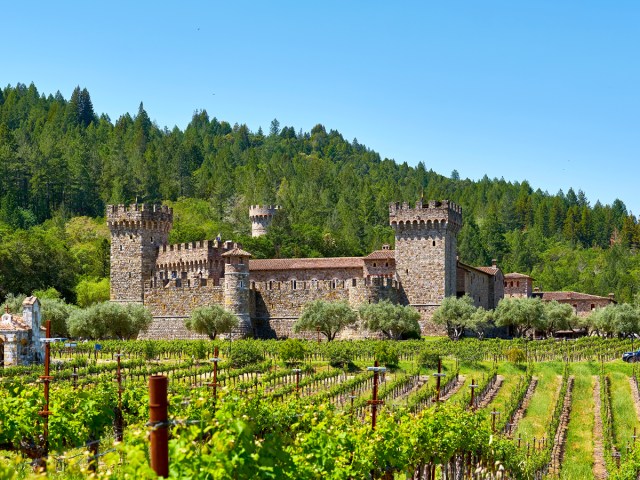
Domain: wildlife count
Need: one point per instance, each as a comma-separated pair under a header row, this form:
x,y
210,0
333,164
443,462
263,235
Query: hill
x,y
59,160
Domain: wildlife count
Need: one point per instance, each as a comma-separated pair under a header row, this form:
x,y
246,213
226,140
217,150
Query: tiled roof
x,y
489,270
381,255
12,323
516,275
236,252
305,263
569,296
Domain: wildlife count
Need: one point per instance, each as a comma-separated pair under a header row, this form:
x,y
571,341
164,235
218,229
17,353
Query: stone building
x,y
20,335
519,285
268,295
261,217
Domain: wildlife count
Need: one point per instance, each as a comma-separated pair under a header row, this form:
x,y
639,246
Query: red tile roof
x,y
569,296
516,275
12,323
236,252
489,270
305,263
381,255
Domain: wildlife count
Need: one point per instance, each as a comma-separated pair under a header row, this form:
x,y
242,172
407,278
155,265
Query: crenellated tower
x,y
425,250
137,231
261,217
236,287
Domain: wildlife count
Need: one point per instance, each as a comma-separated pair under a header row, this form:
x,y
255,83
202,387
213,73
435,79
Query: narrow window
x,y
386,264
374,264
593,306
270,284
434,243
353,282
120,247
241,284
517,284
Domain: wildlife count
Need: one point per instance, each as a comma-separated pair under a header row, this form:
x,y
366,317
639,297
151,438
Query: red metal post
x,y
158,419
214,384
46,379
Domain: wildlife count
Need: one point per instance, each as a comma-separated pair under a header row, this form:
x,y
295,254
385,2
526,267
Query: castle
x,y
268,295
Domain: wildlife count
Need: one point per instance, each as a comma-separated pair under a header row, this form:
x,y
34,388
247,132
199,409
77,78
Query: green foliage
x,y
109,319
392,320
456,314
387,354
58,312
327,317
522,314
245,353
292,351
92,291
211,320
516,355
428,359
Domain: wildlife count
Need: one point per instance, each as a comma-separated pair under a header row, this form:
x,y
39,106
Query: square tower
x,y
136,233
426,249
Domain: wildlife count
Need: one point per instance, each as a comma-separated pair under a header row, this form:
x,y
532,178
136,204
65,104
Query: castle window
x,y
152,239
241,284
294,285
129,274
270,284
374,264
593,306
434,243
130,237
253,285
120,247
517,284
407,271
386,264
333,284
353,282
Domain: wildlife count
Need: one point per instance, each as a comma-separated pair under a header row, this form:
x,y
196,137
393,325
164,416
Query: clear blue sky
x,y
546,91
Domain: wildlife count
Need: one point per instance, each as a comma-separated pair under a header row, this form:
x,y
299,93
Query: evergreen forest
x,y
61,163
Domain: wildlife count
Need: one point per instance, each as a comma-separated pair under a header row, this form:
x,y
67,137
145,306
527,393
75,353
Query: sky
x,y
543,91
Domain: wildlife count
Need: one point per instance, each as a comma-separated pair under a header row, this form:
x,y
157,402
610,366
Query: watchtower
x,y
236,286
261,217
137,231
425,251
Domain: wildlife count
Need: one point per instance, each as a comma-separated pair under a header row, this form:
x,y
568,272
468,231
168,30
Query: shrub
x,y
292,351
245,353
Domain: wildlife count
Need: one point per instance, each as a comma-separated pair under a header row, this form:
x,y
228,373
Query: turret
x,y
137,231
236,287
425,250
261,217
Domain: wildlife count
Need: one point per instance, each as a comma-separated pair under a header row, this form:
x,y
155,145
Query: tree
x,y
481,321
390,319
211,320
557,316
91,291
626,319
522,314
327,317
109,320
455,314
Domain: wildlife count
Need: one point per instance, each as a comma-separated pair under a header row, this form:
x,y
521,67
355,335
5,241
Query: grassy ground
x,y
623,410
538,414
578,458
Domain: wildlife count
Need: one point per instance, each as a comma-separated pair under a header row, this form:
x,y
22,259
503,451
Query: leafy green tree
x,y
211,321
391,319
481,322
109,320
557,316
521,314
91,291
292,351
456,314
326,317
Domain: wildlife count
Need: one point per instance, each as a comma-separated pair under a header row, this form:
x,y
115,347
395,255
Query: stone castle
x,y
268,295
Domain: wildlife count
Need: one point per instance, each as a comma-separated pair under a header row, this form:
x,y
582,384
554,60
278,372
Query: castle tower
x,y
261,216
136,233
236,287
425,252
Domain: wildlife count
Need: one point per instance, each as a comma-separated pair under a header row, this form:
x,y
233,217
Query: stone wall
x,y
477,285
191,260
518,287
284,277
177,302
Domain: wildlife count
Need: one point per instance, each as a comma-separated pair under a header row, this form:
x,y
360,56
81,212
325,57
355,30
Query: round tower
x,y
426,249
137,231
236,287
261,217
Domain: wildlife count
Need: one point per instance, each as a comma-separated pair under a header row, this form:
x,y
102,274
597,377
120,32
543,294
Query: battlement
x,y
263,210
199,245
432,214
139,215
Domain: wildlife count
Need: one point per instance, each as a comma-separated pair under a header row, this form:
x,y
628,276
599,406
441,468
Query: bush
x,y
339,354
292,351
245,353
428,359
387,355
516,355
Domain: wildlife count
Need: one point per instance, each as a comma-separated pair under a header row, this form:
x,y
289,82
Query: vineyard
x,y
418,409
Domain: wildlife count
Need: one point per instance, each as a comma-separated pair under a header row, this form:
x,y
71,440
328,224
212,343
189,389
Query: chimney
x,y
386,246
536,289
494,262
612,297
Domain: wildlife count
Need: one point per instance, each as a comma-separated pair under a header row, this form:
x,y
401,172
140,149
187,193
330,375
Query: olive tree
x,y
456,314
211,320
109,320
521,314
326,317
390,319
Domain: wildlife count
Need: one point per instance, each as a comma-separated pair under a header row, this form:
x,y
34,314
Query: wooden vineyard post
x,y
214,384
494,413
352,397
374,402
438,376
473,387
297,372
159,423
46,379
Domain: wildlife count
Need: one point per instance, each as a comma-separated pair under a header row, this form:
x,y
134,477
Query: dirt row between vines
x,y
599,466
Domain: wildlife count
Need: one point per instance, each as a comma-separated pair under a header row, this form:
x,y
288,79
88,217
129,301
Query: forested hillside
x,y
59,160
